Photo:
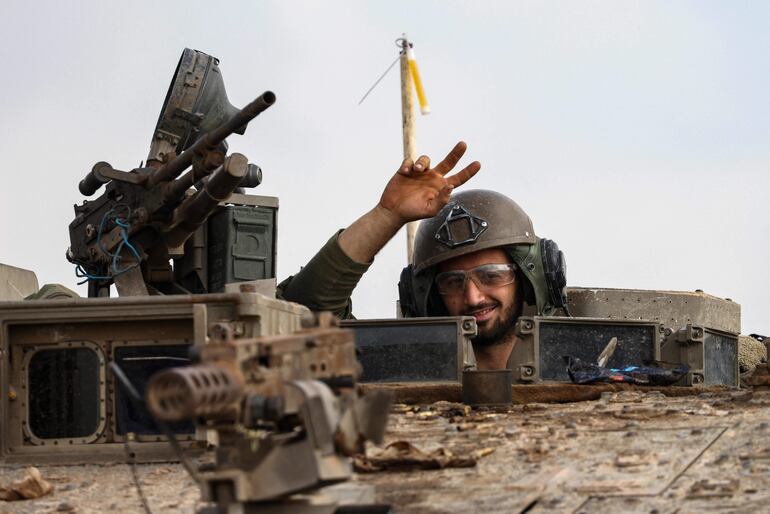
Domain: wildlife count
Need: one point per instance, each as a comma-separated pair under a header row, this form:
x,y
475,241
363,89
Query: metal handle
x,y
94,179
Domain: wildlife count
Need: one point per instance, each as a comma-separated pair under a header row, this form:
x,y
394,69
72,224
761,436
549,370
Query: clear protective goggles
x,y
486,277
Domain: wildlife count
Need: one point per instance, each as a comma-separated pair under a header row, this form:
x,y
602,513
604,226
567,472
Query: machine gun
x,y
284,410
130,233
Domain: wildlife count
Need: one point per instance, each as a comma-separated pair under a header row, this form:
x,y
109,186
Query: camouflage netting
x,y
750,353
53,292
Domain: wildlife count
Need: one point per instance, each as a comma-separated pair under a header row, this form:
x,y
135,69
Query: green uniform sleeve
x,y
327,281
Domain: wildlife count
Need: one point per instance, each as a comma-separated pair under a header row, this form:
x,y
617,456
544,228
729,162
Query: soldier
x,y
475,255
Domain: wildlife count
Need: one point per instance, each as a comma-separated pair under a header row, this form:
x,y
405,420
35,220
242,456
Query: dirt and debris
x,y
31,486
708,451
403,455
629,450
713,488
425,393
100,488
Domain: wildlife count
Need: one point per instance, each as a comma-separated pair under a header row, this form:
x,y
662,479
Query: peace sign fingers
x,y
464,175
452,158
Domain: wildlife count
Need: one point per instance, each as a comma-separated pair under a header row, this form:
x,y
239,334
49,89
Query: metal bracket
x,y
131,283
690,334
122,176
524,326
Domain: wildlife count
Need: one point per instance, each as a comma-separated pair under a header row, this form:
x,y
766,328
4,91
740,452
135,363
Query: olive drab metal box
x,y
242,242
543,342
59,400
414,349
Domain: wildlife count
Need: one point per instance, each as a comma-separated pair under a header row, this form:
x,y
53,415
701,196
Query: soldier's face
x,y
495,309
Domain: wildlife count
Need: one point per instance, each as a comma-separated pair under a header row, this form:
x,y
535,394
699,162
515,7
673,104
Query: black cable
x,y
132,466
126,383
138,401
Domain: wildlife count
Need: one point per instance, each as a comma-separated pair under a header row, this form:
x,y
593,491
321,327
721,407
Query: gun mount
x,y
129,234
284,409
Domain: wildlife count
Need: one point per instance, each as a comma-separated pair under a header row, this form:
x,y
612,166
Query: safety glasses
x,y
486,277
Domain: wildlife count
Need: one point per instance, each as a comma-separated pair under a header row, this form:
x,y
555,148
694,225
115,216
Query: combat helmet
x,y
475,220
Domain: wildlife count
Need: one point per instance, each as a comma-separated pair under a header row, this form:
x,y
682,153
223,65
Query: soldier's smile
x,y
483,313
494,308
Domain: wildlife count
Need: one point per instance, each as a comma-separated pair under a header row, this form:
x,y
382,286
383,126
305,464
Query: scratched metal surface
x,y
627,452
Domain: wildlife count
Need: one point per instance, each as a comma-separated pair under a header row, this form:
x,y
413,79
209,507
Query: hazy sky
x,y
635,134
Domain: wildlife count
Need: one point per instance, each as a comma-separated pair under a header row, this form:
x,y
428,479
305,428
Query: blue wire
x,y
124,242
107,215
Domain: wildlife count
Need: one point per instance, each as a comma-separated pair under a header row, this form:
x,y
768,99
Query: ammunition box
x,y
60,402
241,242
673,309
543,342
712,355
414,349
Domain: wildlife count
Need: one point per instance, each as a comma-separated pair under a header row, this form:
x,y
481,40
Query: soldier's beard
x,y
501,329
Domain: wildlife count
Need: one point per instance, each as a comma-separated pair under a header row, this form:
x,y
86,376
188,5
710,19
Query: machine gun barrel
x,y
202,391
172,169
177,188
269,402
194,211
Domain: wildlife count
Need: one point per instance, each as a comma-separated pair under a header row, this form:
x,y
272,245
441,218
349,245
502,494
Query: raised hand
x,y
418,191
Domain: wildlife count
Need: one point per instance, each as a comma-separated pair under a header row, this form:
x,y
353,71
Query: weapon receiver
x,y
145,216
284,409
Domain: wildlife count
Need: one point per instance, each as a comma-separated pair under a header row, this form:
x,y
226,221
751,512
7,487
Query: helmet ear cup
x,y
555,270
406,297
528,292
416,295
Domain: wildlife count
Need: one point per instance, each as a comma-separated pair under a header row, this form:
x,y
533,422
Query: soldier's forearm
x,y
368,234
326,282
